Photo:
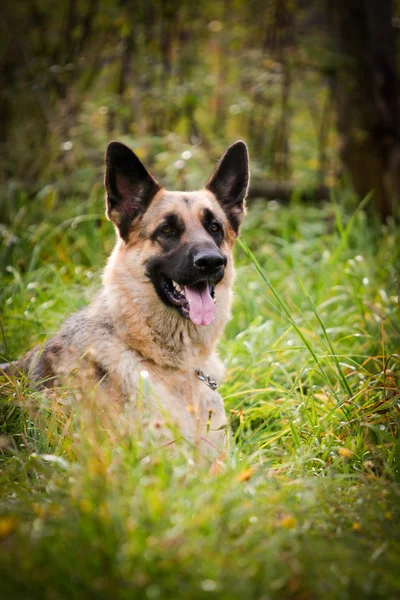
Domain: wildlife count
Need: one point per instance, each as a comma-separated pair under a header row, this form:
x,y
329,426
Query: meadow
x,y
306,503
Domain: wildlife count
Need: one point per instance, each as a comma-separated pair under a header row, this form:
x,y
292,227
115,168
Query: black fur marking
x,y
101,372
178,265
124,225
169,240
108,326
188,200
207,221
55,348
230,181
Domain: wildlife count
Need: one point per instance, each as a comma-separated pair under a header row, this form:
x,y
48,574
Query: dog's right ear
x,y
129,186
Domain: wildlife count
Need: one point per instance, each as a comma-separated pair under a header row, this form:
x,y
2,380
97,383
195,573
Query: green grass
x,y
306,504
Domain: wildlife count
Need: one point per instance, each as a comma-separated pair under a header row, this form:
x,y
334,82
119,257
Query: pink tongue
x,y
201,305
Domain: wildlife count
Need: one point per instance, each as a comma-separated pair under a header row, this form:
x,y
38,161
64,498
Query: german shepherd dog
x,y
165,298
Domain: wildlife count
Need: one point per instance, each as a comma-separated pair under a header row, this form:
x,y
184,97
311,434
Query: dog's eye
x,y
215,227
167,230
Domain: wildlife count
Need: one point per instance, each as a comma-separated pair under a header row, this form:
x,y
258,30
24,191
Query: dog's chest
x,y
180,398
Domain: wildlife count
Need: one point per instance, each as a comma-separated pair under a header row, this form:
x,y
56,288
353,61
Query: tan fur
x,y
170,348
133,345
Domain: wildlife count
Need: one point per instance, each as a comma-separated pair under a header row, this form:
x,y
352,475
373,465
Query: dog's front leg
x,y
121,368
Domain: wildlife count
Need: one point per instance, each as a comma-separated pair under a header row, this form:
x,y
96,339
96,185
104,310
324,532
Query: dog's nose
x,y
209,261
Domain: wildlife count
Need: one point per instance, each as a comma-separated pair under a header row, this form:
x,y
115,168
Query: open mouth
x,y
194,302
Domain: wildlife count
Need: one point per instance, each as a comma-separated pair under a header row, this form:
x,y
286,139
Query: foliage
x,y
306,504
174,75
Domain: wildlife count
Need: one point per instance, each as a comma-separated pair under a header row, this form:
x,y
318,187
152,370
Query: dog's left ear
x,y
130,187
230,181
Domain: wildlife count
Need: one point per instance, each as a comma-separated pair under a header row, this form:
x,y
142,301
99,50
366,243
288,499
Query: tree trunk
x,y
365,87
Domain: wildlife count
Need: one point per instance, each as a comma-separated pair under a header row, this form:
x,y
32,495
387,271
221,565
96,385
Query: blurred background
x,y
312,87
306,504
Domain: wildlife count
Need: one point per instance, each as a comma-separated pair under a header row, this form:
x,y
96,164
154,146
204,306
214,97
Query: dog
x,y
165,298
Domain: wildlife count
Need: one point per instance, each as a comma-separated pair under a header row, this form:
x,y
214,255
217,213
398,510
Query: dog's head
x,y
179,241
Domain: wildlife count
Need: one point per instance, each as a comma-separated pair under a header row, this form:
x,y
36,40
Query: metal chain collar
x,y
211,383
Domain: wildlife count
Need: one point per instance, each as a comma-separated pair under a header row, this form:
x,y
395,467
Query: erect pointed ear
x,y
129,186
230,181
